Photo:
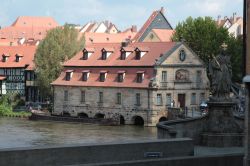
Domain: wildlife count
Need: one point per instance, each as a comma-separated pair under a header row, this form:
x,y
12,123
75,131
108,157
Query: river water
x,y
16,132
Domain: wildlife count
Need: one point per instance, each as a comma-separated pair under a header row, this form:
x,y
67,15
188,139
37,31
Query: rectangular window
x,y
84,76
164,76
120,77
169,99
104,55
139,77
159,99
123,55
198,76
102,77
202,97
119,98
138,99
193,98
138,55
100,97
66,95
85,55
68,76
82,96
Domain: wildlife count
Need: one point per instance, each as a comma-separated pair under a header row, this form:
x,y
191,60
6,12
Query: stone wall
x,y
109,107
96,153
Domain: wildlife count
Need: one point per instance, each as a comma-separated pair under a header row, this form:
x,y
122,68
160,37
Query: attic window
x,y
5,57
85,55
104,55
123,55
85,75
69,74
103,75
18,57
87,52
139,76
137,54
106,52
120,76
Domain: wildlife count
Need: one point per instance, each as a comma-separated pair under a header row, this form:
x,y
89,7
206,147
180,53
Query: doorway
x,y
181,100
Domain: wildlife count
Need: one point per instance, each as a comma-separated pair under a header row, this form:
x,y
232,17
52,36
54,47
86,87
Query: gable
x,y
101,28
159,22
151,37
172,57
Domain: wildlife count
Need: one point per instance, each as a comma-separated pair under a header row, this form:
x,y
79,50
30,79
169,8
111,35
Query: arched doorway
x,y
163,119
83,115
138,120
65,114
99,116
122,120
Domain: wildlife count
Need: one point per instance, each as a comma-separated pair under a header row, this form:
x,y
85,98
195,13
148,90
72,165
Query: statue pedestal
x,y
221,129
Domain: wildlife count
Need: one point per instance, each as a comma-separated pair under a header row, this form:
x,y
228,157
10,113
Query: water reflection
x,y
23,133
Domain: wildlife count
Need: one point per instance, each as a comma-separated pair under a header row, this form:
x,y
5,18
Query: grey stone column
x,y
246,80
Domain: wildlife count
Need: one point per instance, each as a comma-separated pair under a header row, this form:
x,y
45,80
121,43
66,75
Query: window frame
x,y
159,99
164,76
193,99
118,98
137,99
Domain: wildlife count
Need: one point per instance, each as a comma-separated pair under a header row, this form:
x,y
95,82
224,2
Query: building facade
x,y
136,82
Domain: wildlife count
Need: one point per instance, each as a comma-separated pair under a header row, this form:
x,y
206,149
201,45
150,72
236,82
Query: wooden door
x,y
181,100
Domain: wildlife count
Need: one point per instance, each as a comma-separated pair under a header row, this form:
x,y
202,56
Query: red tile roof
x,y
165,35
110,81
155,50
23,32
30,28
34,21
91,37
27,59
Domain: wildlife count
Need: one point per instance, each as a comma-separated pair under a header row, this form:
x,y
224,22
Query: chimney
x,y
134,28
162,10
219,19
225,17
234,17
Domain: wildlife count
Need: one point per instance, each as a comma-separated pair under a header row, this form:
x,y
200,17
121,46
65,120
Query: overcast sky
x,y
123,13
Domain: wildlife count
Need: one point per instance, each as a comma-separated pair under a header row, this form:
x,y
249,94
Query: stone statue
x,y
220,70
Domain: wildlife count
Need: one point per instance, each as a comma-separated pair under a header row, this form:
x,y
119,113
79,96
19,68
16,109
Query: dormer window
x,y
18,57
103,75
85,75
104,55
69,74
125,51
123,55
5,57
85,55
140,52
120,76
139,76
87,52
138,55
106,52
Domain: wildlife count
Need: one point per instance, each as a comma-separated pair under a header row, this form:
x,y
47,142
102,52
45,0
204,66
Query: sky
x,y
123,13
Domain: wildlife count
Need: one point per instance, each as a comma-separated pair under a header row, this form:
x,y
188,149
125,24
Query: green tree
x,y
59,45
202,35
205,39
235,50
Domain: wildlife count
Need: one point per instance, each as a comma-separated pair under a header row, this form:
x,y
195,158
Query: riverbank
x,y
22,114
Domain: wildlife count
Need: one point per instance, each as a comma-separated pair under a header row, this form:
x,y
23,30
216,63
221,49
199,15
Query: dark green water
x,y
16,132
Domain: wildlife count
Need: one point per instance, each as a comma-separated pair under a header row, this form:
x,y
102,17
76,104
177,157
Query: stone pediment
x,y
180,55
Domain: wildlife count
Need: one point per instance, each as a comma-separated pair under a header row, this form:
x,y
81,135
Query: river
x,y
16,132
